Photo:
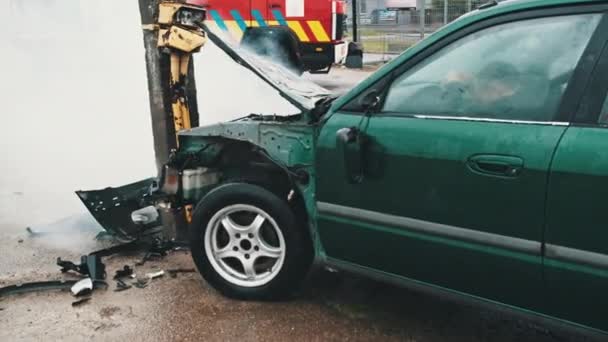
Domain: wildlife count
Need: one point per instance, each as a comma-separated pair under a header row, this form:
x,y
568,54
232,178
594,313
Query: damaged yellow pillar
x,y
180,35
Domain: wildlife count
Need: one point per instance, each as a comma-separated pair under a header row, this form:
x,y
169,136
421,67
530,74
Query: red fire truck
x,y
316,26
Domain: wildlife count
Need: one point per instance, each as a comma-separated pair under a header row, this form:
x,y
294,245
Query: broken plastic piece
x,y
83,286
155,274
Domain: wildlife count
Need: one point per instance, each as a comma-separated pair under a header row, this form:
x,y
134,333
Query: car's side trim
x,y
501,241
555,252
576,256
461,118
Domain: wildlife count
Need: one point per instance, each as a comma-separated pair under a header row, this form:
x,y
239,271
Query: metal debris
x,y
173,272
83,286
123,273
81,301
90,265
121,286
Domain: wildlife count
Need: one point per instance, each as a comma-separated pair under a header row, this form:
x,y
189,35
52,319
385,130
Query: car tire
x,y
248,244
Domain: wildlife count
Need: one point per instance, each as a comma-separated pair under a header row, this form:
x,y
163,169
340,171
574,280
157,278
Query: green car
x,y
473,166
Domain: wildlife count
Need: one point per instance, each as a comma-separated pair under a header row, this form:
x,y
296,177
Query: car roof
x,y
491,9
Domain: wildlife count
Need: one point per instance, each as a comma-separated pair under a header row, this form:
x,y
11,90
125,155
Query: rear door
x,y
576,250
456,166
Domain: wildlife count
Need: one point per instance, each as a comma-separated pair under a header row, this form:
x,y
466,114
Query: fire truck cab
x,y
317,26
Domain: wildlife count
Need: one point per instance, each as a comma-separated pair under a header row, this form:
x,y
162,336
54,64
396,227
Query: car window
x,y
604,112
513,71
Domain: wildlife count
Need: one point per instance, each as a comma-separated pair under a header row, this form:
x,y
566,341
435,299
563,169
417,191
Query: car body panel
x,y
419,169
576,219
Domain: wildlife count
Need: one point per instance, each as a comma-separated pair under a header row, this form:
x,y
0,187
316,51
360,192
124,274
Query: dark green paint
x,y
577,217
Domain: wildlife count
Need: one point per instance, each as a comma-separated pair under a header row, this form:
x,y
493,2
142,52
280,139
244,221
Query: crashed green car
x,y
473,166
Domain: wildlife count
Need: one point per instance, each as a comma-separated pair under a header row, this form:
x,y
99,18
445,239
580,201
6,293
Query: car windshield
x,y
301,92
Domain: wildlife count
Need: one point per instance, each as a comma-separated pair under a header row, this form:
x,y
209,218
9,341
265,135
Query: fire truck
x,y
315,27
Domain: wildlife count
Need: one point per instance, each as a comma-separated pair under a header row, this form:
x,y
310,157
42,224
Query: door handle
x,y
496,165
273,6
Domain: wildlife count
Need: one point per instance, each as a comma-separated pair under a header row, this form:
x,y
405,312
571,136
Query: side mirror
x,y
370,100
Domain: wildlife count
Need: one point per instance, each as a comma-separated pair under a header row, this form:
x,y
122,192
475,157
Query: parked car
x,y
473,166
383,16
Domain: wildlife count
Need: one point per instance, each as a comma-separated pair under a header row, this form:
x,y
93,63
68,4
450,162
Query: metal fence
x,y
385,32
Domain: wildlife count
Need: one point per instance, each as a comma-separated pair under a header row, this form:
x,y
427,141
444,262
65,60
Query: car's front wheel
x,y
248,244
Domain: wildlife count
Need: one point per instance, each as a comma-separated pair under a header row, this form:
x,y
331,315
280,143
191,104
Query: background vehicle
x,y
383,16
316,24
473,166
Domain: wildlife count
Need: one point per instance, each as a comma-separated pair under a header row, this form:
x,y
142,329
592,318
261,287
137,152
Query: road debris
x,y
141,283
83,286
81,301
36,286
121,286
173,272
90,265
32,232
126,271
155,274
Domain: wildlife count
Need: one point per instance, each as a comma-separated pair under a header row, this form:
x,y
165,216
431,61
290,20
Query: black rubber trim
x,y
597,89
574,96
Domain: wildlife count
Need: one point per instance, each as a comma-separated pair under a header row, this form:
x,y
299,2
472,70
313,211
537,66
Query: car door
x,y
448,179
576,250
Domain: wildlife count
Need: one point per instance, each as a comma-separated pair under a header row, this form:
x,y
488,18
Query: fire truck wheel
x,y
247,243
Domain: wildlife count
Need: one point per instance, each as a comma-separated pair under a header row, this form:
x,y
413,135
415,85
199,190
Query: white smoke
x,y
75,112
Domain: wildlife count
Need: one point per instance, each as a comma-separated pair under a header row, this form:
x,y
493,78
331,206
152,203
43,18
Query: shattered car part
x,y
90,265
82,286
113,207
124,272
36,287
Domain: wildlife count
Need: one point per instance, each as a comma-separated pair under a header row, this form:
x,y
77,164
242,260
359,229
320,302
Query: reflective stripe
x,y
297,28
239,20
258,17
318,30
234,29
333,19
272,23
279,17
218,20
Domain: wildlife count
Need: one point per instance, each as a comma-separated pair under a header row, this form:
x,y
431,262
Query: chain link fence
x,y
385,32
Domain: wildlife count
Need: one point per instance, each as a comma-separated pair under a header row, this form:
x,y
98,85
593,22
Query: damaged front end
x,y
258,150
269,150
